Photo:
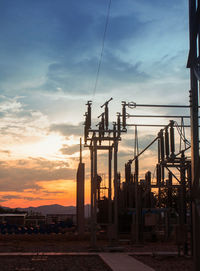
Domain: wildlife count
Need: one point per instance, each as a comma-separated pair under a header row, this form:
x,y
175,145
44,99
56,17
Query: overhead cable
x,y
102,48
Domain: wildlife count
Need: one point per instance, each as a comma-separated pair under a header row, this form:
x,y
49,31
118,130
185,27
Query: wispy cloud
x,y
21,175
67,129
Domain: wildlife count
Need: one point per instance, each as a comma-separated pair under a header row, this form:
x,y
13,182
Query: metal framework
x,y
168,159
104,138
107,139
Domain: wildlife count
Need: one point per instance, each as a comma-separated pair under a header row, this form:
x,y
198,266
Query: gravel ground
x,y
53,263
64,243
167,263
71,243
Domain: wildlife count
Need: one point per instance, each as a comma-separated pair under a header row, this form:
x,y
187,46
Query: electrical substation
x,y
137,187
162,205
130,205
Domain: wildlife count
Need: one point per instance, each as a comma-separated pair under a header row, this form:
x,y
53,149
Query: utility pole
x,y
194,19
110,187
95,188
80,189
115,190
93,234
137,204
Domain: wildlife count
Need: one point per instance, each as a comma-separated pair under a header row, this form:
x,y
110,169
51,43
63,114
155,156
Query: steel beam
x,y
163,105
154,125
158,116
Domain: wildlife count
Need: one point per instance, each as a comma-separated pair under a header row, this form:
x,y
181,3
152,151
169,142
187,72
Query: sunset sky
x,y
49,53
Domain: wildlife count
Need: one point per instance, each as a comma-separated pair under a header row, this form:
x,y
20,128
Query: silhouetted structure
x,y
194,66
13,219
106,139
80,189
133,207
177,175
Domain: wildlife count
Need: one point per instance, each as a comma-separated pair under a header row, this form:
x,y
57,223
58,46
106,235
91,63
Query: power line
x,y
102,49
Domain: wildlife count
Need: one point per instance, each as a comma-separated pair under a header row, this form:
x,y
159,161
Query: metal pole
x,y
191,213
194,136
144,150
183,201
137,230
169,191
154,125
183,190
80,150
93,241
162,105
95,190
157,116
110,187
115,189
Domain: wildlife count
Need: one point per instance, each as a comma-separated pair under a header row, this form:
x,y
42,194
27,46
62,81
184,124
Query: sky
x,y
49,53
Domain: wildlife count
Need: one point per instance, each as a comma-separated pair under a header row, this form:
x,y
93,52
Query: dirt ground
x,y
167,263
52,263
65,243
72,243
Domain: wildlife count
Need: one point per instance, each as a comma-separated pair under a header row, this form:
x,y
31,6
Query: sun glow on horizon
x,y
47,147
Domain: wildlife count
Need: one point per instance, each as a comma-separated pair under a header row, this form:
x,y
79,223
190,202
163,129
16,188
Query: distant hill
x,y
55,209
50,209
46,209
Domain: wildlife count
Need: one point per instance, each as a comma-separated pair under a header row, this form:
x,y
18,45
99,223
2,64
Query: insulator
x,y
86,127
114,130
85,134
148,178
124,116
162,173
106,113
118,125
101,128
102,123
128,172
131,105
166,142
87,121
106,117
89,115
172,145
190,97
136,167
159,150
162,151
100,134
158,173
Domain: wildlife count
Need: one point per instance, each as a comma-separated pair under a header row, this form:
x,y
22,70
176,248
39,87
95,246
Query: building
x,y
13,219
58,218
35,220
